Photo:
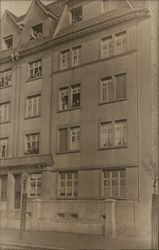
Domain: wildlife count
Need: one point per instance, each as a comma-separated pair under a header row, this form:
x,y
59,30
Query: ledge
x,y
68,152
113,147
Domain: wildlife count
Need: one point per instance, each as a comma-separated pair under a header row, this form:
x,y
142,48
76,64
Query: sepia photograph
x,y
79,124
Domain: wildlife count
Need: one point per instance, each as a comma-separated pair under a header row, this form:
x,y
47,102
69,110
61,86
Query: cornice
x,y
135,14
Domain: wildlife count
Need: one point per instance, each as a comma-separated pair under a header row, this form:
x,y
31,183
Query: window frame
x,y
36,176
4,183
74,179
122,122
114,88
118,179
122,50
32,106
70,105
113,136
6,40
5,112
36,141
34,33
104,10
32,67
4,142
65,55
3,75
77,50
68,143
74,11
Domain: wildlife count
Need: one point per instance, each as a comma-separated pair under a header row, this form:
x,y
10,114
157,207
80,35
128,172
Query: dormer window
x,y
8,41
76,14
106,5
36,31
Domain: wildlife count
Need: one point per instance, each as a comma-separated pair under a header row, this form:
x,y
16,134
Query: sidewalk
x,y
58,240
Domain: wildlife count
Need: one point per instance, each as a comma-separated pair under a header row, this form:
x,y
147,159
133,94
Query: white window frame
x,y
64,59
4,112
3,148
34,33
65,180
76,56
75,89
106,134
105,89
36,68
33,138
121,42
5,78
107,46
121,130
34,191
33,106
63,92
110,179
75,138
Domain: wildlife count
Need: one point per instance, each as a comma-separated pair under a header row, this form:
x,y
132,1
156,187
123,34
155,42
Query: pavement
x,y
68,241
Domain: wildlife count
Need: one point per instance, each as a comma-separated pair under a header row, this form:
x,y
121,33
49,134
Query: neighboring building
x,y
78,86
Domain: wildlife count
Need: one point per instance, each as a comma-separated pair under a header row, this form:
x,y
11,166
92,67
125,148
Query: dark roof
x,y
55,8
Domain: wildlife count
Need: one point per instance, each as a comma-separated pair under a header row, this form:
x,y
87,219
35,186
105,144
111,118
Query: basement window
x,y
36,31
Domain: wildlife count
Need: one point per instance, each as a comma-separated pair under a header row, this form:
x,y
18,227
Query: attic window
x,y
8,41
36,31
76,15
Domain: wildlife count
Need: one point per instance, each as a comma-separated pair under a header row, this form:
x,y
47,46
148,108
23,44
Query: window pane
x,y
106,134
120,84
76,96
77,15
63,140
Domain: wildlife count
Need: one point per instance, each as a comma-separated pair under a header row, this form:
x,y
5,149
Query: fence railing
x,y
73,211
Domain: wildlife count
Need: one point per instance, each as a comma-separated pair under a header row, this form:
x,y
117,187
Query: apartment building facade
x,y
78,115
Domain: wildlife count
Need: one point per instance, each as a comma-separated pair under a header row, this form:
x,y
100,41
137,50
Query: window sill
x,y
68,152
32,117
70,109
33,79
113,101
28,154
67,198
113,147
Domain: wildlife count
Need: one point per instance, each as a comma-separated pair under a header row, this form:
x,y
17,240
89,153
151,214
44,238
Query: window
x,y
63,98
106,5
35,185
8,41
114,183
33,106
107,90
63,138
113,88
69,97
4,112
65,59
121,133
76,15
5,79
113,134
76,96
106,134
75,138
36,31
120,43
17,191
3,148
3,179
68,184
35,69
32,143
120,86
69,139
76,54
107,46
